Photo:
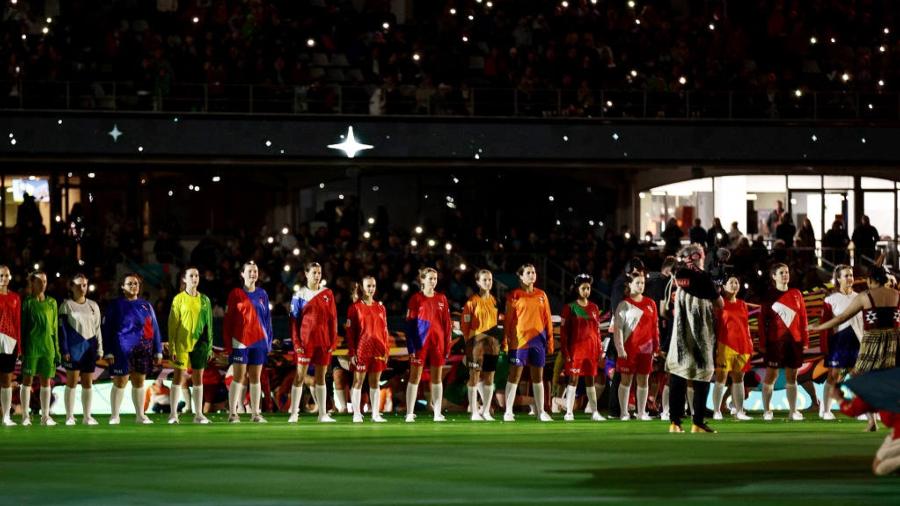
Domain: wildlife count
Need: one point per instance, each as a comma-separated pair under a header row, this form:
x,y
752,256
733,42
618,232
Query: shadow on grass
x,y
700,479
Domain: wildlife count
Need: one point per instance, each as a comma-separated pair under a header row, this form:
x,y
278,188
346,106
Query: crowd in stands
x,y
430,58
348,248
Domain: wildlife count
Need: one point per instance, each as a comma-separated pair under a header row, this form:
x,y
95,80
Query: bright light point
x,y
310,42
712,26
418,230
453,11
270,239
191,187
296,252
367,234
798,93
814,138
141,148
886,30
431,243
591,222
416,57
845,77
637,21
565,138
349,146
557,222
45,30
59,122
682,80
57,218
564,4
833,40
91,288
881,82
385,25
642,195
24,36
371,221
268,143
32,178
813,40
870,106
12,141
287,268
285,230
404,287
171,193
37,266
448,246
196,20
634,73
414,243
881,49
341,196
376,188
296,288
465,38
216,179
491,4
471,17
615,136
462,267
863,140
630,3
321,185
551,198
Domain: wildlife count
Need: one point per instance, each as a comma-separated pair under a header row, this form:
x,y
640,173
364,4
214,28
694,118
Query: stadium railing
x,y
316,98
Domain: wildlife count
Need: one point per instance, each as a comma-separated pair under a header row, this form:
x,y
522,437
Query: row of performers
x,y
710,338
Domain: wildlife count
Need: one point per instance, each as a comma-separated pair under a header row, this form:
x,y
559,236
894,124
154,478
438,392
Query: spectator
x,y
865,236
785,230
697,233
834,244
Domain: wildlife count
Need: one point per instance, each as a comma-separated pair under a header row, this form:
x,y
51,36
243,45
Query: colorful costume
x,y
734,346
248,327
528,329
367,336
80,336
879,346
841,346
580,339
637,322
428,329
40,344
10,330
131,336
313,326
190,330
783,329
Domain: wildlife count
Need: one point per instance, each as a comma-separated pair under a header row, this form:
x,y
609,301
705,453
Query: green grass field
x,y
458,462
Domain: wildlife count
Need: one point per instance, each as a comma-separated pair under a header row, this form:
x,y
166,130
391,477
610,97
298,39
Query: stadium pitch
x,y
457,462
